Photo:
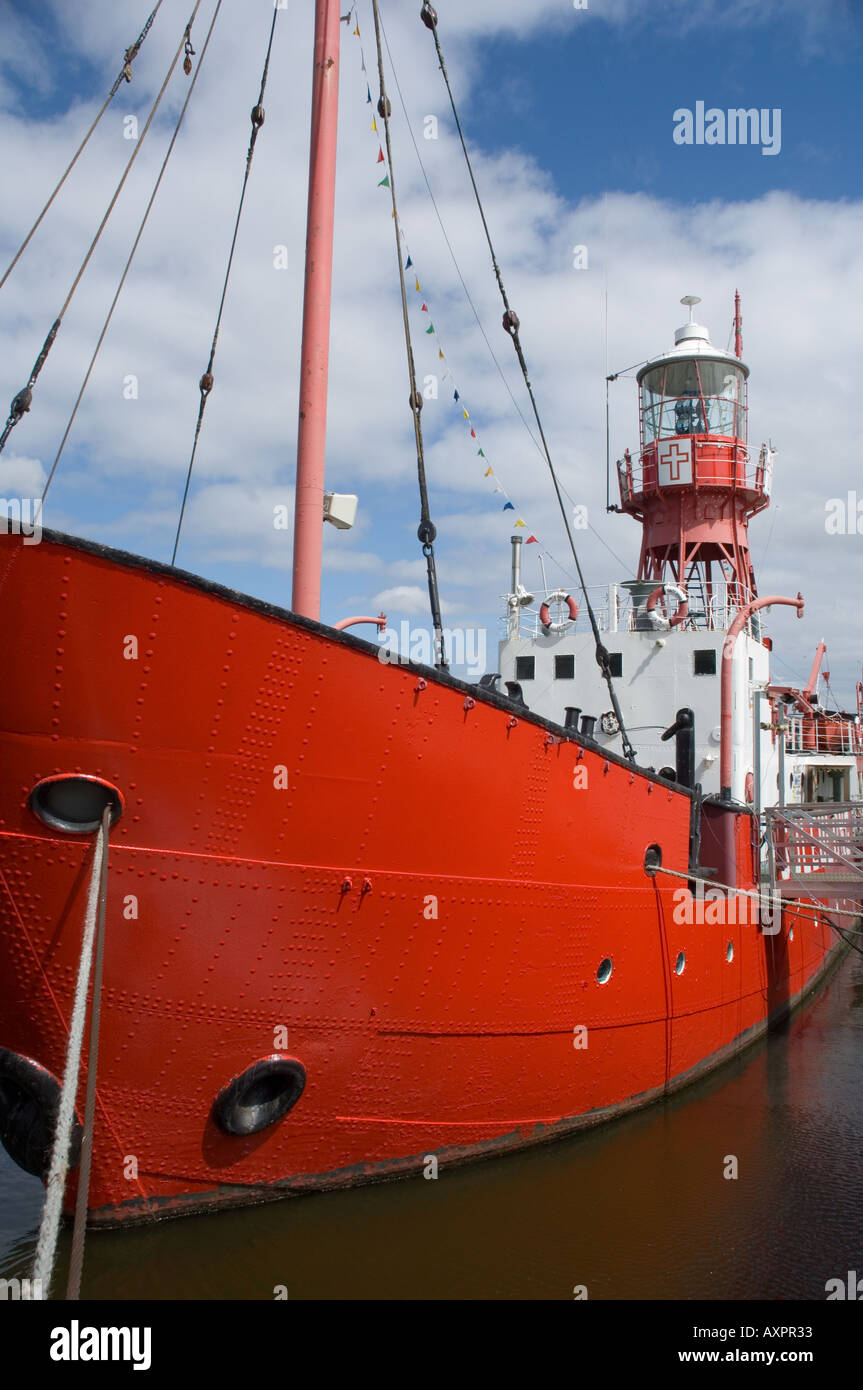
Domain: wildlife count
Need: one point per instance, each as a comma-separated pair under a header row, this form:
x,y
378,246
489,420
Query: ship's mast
x,y
315,351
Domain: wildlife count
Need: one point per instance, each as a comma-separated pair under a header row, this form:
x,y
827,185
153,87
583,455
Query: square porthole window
x,y
704,662
564,668
615,663
525,667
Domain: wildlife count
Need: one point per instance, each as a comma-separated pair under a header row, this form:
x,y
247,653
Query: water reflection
x,y
638,1210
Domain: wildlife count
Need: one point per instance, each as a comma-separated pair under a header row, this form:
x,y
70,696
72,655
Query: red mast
x,y
738,326
315,352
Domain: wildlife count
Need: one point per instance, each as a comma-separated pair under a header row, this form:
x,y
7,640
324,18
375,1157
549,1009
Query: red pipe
x,y
381,621
315,352
741,618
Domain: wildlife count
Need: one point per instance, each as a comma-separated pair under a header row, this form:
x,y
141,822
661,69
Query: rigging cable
x,y
128,264
22,402
467,293
511,326
426,531
205,385
521,415
125,74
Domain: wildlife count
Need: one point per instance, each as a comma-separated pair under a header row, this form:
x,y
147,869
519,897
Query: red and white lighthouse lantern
x,y
694,488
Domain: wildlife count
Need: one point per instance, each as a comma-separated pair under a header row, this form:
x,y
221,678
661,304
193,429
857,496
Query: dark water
x,y
637,1210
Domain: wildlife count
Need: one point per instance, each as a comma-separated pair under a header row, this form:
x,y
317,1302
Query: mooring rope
x,y
76,1262
55,1184
803,908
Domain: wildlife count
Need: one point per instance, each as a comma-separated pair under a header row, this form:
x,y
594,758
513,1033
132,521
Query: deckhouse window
x,y
704,662
564,668
525,667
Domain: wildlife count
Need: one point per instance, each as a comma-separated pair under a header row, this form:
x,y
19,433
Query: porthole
x,y
680,963
74,802
729,952
652,859
603,974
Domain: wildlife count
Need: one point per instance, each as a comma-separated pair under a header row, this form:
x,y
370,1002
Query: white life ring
x,y
658,620
559,596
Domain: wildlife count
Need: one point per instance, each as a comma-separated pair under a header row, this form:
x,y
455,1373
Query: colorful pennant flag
x,y
497,487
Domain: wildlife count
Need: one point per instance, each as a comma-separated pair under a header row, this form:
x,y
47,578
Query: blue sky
x,y
569,116
595,105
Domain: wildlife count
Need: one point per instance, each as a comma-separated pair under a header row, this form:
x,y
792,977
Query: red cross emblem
x,y
671,458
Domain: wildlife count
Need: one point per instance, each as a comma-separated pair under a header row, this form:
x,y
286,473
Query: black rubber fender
x,y
29,1101
260,1096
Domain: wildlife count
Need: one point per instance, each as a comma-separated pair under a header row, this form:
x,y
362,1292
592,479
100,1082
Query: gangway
x,y
816,850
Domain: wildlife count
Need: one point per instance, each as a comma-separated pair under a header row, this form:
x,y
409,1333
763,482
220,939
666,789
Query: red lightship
x,y
335,942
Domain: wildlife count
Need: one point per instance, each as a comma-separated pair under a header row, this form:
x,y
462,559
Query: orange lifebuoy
x,y
559,596
657,619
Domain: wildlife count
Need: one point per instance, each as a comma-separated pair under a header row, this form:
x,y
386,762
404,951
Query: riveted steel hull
x,y
334,859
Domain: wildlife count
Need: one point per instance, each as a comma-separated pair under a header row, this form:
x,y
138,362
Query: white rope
x,y
800,903
46,1247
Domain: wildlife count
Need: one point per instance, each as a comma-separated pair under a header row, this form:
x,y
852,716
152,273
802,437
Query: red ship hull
x,y
424,907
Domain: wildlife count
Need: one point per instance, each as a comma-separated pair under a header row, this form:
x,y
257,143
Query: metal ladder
x,y
816,850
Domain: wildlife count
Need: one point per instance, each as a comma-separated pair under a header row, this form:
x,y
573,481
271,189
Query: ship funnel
x,y
691,329
516,564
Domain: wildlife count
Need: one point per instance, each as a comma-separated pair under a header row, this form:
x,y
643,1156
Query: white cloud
x,y
21,477
797,262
